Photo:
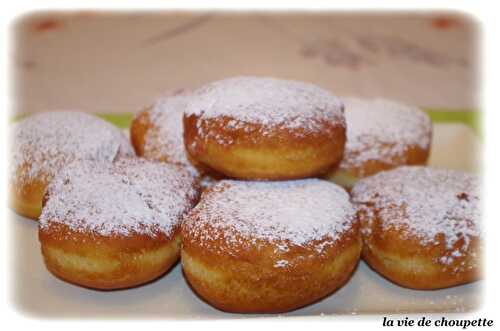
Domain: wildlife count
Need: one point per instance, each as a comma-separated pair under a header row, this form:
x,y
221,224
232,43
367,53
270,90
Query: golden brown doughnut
x,y
44,143
381,135
420,226
268,247
110,226
157,134
264,128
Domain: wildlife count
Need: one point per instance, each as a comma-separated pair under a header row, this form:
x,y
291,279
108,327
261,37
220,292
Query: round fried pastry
x,y
264,128
381,135
420,226
268,247
110,226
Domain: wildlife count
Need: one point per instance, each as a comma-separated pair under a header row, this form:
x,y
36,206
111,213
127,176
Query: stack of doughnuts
x,y
292,232
274,227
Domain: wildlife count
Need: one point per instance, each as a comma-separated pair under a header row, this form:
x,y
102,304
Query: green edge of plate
x,y
467,117
121,120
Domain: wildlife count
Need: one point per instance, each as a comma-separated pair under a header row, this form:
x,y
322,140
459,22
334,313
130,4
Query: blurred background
x,y
121,62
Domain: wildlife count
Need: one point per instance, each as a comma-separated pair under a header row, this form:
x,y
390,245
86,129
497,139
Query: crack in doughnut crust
x,y
420,226
44,143
110,226
265,247
381,135
264,128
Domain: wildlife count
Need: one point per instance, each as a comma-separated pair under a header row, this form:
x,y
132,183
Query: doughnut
x,y
269,247
264,128
44,143
156,134
114,225
381,135
420,226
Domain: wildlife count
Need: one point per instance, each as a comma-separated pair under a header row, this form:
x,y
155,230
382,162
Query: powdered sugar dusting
x,y
425,202
379,129
295,213
166,139
128,196
43,143
270,102
281,264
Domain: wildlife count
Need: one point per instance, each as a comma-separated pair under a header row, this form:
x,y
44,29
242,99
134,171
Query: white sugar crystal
x,y
281,264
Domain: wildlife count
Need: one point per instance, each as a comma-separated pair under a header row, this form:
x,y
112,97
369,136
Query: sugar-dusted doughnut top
x,y
308,212
122,198
166,136
43,143
428,204
379,129
272,103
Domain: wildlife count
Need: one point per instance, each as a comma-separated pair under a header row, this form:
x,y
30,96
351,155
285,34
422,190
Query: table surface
x,y
121,62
